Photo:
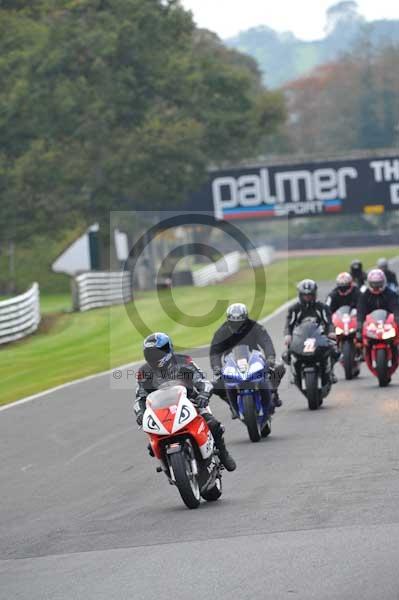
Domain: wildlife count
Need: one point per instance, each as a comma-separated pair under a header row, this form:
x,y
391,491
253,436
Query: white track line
x,y
64,386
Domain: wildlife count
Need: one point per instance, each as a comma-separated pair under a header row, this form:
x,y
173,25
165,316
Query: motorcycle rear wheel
x,y
313,393
186,481
214,493
382,368
251,418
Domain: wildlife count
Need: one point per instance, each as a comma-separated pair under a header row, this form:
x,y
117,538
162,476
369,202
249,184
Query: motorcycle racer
x,y
163,364
309,307
345,293
376,296
239,329
392,279
356,270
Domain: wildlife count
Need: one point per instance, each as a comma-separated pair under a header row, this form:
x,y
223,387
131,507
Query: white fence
x,y
262,256
97,289
20,316
223,268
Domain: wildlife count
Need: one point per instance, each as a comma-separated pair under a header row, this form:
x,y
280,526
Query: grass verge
x,y
70,346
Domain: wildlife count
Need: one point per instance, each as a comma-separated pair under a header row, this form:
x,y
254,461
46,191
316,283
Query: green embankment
x,y
70,345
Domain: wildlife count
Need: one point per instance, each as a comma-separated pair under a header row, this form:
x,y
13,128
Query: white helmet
x,y
237,315
376,281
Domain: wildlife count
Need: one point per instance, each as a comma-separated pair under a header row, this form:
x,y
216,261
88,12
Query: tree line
x,y
116,105
349,104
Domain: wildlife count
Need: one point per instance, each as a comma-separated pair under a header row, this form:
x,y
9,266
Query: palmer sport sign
x,y
368,186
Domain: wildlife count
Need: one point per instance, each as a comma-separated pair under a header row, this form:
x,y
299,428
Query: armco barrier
x,y
261,257
223,268
20,316
99,289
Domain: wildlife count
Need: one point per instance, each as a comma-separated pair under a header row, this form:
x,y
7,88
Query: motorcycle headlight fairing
x,y
389,335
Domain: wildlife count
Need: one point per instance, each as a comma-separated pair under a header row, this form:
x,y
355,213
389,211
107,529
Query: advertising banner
x,y
368,186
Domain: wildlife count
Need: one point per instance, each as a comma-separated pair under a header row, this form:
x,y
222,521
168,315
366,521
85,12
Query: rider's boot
x,y
232,402
276,399
150,451
217,431
234,413
225,457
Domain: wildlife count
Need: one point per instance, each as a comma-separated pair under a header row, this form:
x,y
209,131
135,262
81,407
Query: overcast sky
x,y
228,17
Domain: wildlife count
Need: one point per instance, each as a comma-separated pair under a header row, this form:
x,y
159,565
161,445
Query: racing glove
x,y
217,372
139,411
201,401
288,340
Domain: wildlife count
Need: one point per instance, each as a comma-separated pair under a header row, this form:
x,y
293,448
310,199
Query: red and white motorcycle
x,y
182,442
345,323
381,345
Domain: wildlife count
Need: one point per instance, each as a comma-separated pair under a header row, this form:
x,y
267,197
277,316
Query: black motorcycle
x,y
311,362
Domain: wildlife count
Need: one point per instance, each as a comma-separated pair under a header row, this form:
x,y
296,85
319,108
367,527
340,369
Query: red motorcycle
x,y
182,442
380,343
345,323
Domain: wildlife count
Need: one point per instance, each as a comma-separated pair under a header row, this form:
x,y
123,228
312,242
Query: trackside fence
x,y
99,289
262,256
218,271
20,316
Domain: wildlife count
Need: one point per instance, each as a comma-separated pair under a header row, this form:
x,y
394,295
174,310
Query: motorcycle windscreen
x,y
166,397
241,353
308,330
344,310
379,315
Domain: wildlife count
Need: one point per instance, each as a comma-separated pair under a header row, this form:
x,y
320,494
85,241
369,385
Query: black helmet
x,y
237,316
158,349
307,291
356,266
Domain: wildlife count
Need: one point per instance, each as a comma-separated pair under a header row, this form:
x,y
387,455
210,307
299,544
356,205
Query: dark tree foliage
x,y
116,104
347,105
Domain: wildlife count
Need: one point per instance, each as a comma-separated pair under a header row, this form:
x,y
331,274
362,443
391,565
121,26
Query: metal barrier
x,y
97,289
223,268
261,257
20,316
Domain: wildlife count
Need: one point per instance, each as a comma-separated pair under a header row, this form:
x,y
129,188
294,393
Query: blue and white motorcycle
x,y
245,374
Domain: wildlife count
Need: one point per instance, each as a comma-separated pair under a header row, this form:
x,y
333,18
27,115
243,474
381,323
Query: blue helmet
x,y
158,349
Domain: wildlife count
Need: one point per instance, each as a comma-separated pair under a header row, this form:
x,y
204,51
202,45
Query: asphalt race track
x,y
311,513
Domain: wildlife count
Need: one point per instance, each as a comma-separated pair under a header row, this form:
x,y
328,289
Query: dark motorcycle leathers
x,y
316,310
392,279
335,300
369,302
183,369
251,334
359,277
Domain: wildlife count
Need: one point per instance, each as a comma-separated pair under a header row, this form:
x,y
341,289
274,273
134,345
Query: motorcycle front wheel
x,y
312,390
186,480
382,367
348,352
251,418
